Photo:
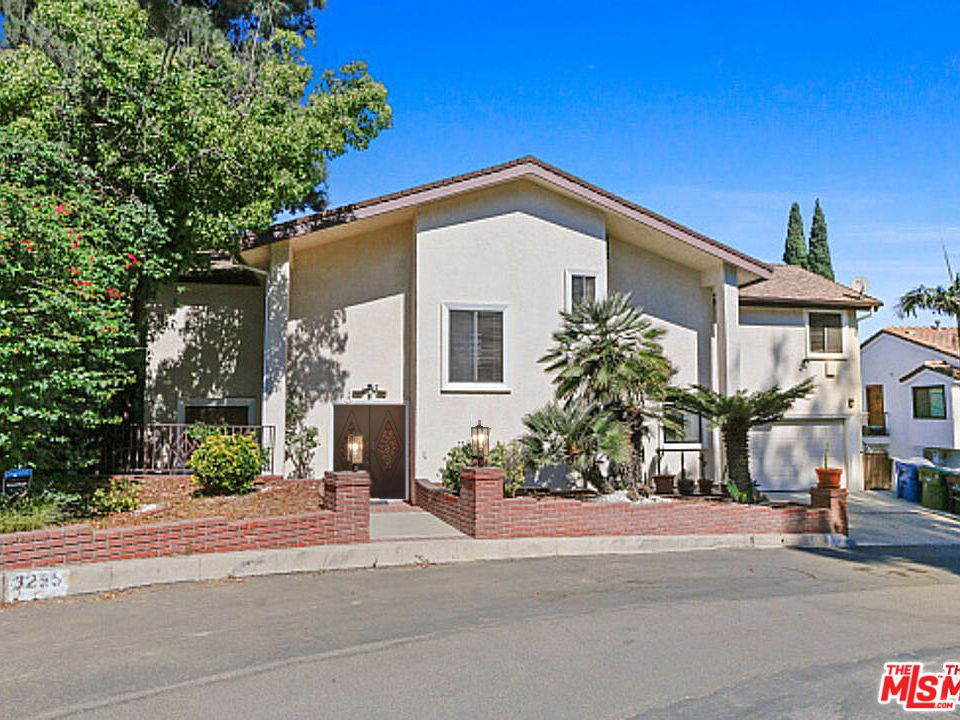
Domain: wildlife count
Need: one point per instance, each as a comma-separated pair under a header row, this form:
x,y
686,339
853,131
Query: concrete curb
x,y
120,575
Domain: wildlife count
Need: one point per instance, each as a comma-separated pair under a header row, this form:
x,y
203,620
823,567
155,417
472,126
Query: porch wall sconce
x,y
480,443
355,450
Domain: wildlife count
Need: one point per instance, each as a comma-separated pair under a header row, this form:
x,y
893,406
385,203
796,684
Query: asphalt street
x,y
722,634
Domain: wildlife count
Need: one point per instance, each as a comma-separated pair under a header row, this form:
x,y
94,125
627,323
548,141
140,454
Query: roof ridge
x,y
342,213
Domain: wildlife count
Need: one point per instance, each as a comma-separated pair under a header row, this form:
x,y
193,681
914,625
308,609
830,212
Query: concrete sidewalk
x,y
120,575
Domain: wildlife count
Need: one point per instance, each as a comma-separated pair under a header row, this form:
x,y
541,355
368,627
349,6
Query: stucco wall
x,y
511,246
349,302
774,342
886,359
673,297
207,343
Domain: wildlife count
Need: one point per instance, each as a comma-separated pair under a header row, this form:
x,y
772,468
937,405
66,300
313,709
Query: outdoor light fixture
x,y
355,450
480,443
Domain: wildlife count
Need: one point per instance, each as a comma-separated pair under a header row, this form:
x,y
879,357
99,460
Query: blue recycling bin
x,y
908,481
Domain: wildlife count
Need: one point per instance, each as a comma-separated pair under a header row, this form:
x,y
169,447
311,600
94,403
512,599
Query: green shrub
x,y
32,512
511,457
459,457
226,464
119,495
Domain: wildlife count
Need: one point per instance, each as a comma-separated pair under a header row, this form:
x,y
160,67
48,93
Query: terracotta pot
x,y
705,485
829,477
663,484
685,487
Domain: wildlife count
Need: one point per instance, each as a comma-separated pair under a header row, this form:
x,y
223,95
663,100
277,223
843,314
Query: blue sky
x,y
718,115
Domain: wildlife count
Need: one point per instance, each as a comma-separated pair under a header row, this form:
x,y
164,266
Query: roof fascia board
x,y
546,174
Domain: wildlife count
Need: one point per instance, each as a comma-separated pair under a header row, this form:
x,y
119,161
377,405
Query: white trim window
x,y
581,285
824,334
475,348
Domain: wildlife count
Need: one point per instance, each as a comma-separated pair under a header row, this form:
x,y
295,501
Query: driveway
x,y
722,634
878,517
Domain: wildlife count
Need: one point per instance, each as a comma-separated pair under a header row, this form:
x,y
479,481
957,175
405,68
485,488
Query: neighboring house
x,y
911,379
410,316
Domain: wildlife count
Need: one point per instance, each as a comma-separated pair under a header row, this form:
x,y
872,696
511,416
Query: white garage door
x,y
783,456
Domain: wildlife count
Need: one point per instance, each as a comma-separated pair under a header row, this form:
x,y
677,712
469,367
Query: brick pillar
x,y
347,495
834,500
481,494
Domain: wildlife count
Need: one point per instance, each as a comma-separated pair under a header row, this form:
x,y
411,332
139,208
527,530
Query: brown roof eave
x,y
865,304
511,170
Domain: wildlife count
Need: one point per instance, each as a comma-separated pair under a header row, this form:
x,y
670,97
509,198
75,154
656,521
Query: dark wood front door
x,y
384,445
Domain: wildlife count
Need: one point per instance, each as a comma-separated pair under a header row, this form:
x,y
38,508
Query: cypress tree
x,y
795,250
818,256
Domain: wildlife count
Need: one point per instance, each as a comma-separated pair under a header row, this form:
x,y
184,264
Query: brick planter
x,y
482,511
344,519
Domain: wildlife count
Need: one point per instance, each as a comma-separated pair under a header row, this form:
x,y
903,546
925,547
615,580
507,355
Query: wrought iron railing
x,y
166,447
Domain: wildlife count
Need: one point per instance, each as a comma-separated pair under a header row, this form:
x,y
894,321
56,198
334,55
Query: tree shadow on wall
x,y
314,372
212,352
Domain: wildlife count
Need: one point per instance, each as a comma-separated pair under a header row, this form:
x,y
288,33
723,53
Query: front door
x,y
384,445
875,413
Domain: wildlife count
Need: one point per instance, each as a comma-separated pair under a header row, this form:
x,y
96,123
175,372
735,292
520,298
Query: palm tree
x,y
736,415
577,435
607,354
940,300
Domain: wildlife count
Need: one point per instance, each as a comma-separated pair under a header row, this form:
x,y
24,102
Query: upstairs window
x,y
929,403
581,287
475,347
826,333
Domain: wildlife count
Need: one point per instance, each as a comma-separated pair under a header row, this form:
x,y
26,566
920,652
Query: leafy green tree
x,y
818,257
71,253
205,111
941,300
795,249
607,354
219,132
579,435
736,415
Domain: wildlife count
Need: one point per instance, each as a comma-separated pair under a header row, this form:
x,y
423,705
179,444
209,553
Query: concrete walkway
x,y
408,524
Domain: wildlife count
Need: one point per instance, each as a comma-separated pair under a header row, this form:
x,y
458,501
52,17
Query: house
x,y
410,316
911,381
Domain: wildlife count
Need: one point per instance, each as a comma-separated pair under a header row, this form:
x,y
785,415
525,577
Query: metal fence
x,y
165,448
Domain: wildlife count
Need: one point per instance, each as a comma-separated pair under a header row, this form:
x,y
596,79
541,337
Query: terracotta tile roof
x,y
943,339
794,286
452,185
937,366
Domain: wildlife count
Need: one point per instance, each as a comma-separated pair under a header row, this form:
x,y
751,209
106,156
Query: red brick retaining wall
x,y
344,519
481,511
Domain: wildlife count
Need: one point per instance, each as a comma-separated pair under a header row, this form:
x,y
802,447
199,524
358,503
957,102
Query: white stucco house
x,y
911,378
410,316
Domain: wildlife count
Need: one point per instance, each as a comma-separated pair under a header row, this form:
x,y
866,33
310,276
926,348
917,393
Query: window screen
x,y
582,287
826,333
476,346
929,402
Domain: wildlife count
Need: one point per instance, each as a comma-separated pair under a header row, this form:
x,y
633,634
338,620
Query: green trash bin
x,y
933,492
